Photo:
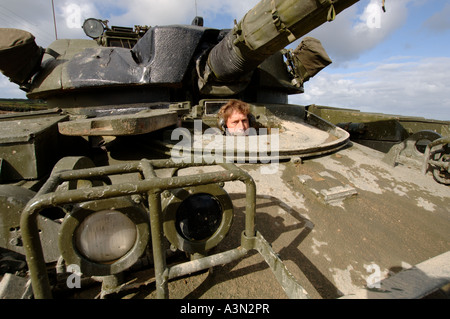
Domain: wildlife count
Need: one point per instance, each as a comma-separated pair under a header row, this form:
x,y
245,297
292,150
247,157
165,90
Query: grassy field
x,y
21,105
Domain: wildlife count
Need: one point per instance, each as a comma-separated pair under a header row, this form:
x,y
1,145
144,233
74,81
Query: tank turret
x,y
178,62
267,28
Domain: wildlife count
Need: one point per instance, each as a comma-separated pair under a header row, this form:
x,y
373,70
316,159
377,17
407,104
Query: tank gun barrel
x,y
266,29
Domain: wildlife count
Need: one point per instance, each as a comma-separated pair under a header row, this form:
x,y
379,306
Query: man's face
x,y
237,123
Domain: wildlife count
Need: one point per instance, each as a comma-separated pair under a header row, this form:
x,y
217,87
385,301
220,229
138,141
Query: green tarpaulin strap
x,y
281,27
331,12
52,53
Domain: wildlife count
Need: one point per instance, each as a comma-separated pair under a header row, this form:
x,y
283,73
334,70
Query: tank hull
x,y
137,191
340,223
335,247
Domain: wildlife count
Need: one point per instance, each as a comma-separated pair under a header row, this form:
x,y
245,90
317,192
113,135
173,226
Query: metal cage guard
x,y
153,186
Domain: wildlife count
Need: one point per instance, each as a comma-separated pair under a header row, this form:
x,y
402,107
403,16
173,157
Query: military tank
x,y
126,186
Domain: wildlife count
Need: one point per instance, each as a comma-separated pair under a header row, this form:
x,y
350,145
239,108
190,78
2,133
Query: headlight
x,y
105,236
196,219
198,216
93,28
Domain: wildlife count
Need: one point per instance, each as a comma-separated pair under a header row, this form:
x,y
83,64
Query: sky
x,y
395,62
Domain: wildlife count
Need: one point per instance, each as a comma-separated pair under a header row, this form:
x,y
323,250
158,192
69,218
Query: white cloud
x,y
353,33
416,87
10,90
156,12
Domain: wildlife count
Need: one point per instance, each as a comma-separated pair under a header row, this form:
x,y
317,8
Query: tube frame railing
x,y
152,186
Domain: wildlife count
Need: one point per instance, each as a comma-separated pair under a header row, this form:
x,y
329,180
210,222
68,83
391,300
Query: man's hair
x,y
227,109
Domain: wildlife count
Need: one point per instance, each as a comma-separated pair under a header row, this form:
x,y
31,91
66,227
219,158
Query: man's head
x,y
235,117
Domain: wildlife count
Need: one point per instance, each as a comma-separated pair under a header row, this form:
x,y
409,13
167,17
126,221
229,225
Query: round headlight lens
x,y
105,236
93,28
198,217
